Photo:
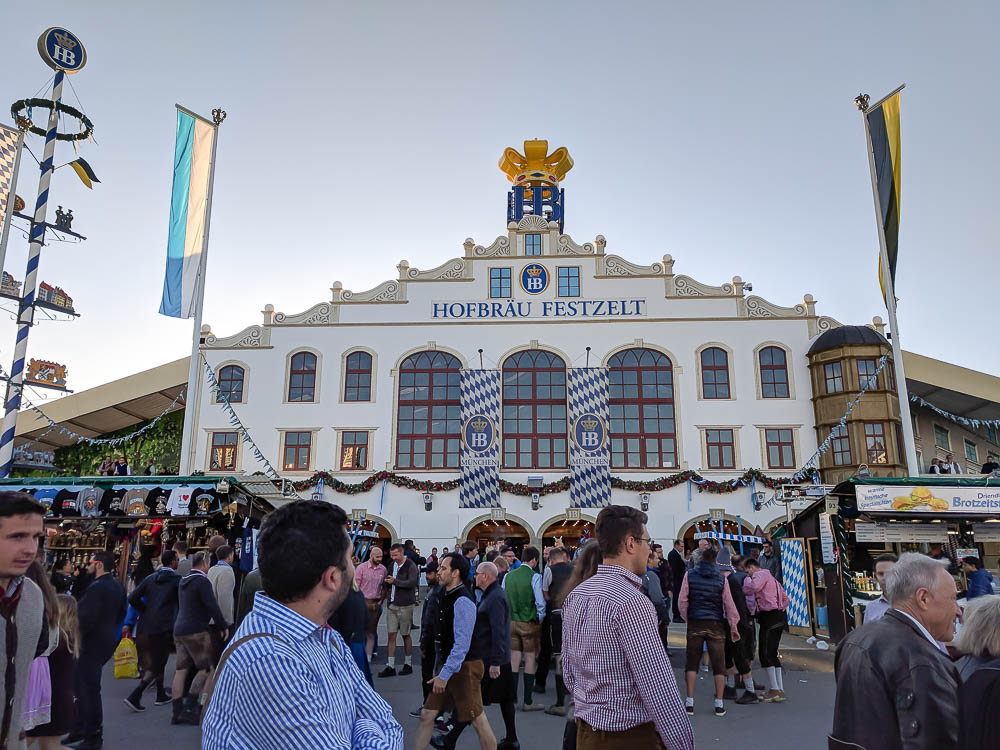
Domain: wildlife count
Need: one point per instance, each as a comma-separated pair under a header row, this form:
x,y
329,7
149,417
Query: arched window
x,y
534,411
302,377
429,418
714,373
230,385
773,373
358,377
643,432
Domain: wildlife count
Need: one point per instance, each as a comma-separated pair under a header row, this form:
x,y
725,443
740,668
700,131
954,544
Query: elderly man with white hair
x,y
896,688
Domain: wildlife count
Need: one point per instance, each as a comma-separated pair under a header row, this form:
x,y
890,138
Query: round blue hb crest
x,y
479,433
62,50
590,432
534,278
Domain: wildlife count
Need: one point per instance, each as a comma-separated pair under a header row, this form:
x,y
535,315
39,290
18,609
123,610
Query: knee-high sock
x,y
529,685
772,680
778,678
507,712
560,691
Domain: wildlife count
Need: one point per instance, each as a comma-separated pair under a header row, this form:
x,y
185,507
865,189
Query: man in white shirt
x,y
950,465
877,609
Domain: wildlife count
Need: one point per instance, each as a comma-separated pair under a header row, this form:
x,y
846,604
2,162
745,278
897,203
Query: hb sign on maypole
x,y
64,53
187,245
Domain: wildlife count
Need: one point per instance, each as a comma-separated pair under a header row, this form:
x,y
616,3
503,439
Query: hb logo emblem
x,y
590,432
534,278
479,433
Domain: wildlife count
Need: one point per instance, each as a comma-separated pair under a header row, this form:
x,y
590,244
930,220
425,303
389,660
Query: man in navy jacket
x,y
156,601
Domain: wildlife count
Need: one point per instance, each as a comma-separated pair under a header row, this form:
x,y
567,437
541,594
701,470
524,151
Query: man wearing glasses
x,y
613,660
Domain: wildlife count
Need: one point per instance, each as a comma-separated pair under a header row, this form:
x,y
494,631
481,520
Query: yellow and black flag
x,y
84,171
883,130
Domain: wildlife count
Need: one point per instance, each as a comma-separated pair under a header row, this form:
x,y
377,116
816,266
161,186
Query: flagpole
x,y
909,443
192,403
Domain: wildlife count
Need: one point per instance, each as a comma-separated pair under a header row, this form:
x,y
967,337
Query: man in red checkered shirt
x,y
614,663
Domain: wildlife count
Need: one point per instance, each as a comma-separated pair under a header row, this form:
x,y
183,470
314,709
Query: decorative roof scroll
x,y
758,307
451,270
387,291
501,247
614,265
566,246
253,337
685,286
822,324
323,313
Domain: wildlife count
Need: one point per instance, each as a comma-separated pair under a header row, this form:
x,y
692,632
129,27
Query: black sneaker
x,y
133,702
441,741
689,709
506,744
748,697
387,672
407,669
720,710
443,725
729,693
162,700
415,713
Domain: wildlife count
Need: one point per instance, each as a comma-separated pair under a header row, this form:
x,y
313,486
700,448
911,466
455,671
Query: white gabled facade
x,y
449,309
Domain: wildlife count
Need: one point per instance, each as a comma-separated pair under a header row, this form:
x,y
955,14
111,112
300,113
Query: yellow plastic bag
x,y
126,660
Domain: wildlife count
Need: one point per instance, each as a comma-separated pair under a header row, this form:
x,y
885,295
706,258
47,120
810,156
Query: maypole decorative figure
x,y
62,51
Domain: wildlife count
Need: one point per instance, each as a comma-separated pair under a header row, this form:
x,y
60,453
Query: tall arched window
x,y
230,385
773,373
534,411
302,377
643,432
429,417
358,377
714,373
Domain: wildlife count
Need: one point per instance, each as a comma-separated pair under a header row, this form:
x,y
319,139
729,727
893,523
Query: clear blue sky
x,y
362,133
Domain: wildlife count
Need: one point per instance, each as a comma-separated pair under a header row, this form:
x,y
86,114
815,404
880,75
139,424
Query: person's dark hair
x,y
529,553
750,563
470,546
656,547
975,562
215,542
296,545
19,504
559,552
107,559
223,552
60,563
886,557
398,546
709,555
585,565
181,548
36,572
735,560
199,559
432,567
678,541
768,543
505,549
167,558
408,543
615,524
491,555
459,562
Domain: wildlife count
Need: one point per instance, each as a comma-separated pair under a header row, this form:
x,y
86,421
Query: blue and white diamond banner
x,y
480,456
589,452
793,573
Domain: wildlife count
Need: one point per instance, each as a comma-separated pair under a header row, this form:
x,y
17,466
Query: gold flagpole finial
x,y
861,100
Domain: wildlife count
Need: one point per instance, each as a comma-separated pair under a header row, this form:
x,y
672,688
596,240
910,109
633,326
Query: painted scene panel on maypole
x,y
188,214
883,128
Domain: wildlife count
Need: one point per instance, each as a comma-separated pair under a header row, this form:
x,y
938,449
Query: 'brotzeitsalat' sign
x,y
932,499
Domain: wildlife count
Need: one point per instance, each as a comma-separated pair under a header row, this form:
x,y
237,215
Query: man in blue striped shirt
x,y
288,681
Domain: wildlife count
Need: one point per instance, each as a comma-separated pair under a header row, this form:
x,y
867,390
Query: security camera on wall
x,y
535,497
428,500
644,501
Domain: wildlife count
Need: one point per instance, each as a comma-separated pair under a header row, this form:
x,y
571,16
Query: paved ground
x,y
801,723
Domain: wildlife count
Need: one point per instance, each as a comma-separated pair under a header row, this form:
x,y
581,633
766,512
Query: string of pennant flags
x,y
964,421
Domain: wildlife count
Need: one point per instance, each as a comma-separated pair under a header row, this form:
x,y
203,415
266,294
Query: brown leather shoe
x,y
772,696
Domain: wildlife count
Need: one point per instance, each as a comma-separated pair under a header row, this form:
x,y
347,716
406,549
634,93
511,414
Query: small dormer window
x,y
532,244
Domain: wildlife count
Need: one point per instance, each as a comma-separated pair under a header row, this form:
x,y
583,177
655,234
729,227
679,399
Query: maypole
x,y
63,52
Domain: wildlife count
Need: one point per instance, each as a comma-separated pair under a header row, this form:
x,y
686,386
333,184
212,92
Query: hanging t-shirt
x,y
206,503
248,553
135,501
46,497
88,502
66,503
179,503
113,503
156,501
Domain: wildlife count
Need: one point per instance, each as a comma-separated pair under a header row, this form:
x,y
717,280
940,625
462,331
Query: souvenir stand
x,y
129,514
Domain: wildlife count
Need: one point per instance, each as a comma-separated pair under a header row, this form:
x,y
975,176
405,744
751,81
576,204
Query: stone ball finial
x,y
338,285
737,279
269,308
206,329
808,298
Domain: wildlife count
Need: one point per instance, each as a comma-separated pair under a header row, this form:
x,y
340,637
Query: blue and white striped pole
x,y
26,314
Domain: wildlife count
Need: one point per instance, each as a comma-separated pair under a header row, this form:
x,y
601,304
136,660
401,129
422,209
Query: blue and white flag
x,y
480,455
589,453
190,205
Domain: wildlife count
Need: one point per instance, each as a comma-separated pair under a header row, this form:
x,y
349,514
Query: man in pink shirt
x,y
770,602
707,606
370,576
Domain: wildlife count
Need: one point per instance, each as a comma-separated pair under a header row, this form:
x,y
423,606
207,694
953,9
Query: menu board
x,y
901,532
987,532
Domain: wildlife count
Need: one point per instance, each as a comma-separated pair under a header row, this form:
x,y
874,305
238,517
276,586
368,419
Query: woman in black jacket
x,y
979,693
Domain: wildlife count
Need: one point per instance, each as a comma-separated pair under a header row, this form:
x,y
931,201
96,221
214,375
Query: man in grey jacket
x,y
402,583
21,607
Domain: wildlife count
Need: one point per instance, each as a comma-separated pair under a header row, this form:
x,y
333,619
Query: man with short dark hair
x,y
470,550
770,560
876,610
980,580
896,687
677,569
22,608
557,573
459,681
183,563
428,632
287,680
402,584
101,611
156,601
614,663
371,575
223,580
523,587
196,609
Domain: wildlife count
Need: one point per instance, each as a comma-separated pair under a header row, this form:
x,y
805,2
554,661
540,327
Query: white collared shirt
x,y
937,644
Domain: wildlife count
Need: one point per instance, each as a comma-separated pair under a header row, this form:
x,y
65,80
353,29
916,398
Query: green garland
x,y
560,485
87,127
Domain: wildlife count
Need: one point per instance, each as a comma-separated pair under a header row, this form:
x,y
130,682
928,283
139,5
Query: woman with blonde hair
x,y
979,694
38,697
62,669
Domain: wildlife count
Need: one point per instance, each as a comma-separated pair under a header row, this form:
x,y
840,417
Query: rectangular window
x,y
569,281
866,373
780,448
841,444
941,438
297,446
499,282
532,244
875,445
224,446
354,450
991,433
970,451
834,378
720,449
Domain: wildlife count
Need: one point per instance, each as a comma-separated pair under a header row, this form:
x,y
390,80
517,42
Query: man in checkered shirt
x,y
614,662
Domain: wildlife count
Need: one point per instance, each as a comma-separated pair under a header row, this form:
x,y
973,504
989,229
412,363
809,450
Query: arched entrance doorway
x,y
507,532
705,524
369,533
573,533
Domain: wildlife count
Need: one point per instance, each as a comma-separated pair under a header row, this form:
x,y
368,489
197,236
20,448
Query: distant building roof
x,y
847,336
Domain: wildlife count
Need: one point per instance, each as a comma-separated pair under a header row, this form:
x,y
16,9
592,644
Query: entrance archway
x,y
508,532
729,526
372,531
573,533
